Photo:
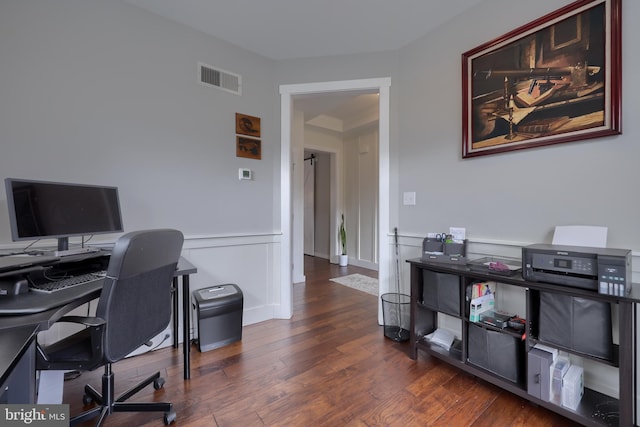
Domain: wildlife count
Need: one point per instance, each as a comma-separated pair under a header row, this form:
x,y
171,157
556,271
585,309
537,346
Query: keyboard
x,y
67,282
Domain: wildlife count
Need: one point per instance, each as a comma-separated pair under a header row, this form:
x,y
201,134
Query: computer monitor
x,y
43,210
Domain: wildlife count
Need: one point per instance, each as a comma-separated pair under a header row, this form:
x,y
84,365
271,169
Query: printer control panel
x,y
612,278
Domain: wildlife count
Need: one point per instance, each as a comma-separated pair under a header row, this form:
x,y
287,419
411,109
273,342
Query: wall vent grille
x,y
221,79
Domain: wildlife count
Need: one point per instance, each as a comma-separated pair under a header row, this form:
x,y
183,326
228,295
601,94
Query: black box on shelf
x,y
496,318
580,324
441,292
498,352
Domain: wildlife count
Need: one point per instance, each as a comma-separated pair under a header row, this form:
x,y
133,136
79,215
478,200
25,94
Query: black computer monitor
x,y
43,210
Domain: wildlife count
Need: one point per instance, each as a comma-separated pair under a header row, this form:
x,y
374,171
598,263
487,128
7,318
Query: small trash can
x,y
396,316
219,310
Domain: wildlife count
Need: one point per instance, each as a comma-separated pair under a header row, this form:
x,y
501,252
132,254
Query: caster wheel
x,y
86,399
169,417
159,383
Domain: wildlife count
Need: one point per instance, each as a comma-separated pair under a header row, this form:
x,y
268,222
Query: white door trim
x,y
286,102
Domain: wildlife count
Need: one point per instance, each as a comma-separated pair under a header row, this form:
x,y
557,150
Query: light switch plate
x,y
409,198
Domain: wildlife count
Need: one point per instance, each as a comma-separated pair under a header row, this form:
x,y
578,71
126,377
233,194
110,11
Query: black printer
x,y
605,270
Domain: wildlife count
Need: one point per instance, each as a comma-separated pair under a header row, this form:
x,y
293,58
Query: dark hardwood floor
x,y
330,365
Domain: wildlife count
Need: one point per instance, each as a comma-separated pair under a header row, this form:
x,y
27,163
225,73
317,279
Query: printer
x,y
605,270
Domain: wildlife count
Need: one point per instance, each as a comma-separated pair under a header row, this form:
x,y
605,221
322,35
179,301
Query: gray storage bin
x,y
580,324
498,352
441,292
219,311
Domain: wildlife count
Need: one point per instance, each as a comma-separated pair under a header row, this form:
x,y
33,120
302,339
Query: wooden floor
x,y
330,365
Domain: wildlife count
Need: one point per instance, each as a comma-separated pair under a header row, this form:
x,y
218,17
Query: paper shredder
x,y
219,310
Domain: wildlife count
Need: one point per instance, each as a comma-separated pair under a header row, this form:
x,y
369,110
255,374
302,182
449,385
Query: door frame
x,y
286,113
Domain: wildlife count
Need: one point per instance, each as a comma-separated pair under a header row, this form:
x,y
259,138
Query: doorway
x,y
291,154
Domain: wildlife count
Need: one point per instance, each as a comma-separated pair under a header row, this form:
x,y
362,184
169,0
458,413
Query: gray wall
x,y
104,92
511,197
518,196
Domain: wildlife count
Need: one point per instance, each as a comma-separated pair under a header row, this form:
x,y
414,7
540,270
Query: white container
x,y
573,387
558,371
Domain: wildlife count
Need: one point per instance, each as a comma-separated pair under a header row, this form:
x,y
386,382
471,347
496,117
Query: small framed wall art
x,y
247,125
250,148
248,143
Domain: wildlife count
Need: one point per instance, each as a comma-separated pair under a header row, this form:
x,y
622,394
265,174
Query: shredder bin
x,y
219,311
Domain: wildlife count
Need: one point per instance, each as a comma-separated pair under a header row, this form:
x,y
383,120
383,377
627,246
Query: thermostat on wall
x,y
244,173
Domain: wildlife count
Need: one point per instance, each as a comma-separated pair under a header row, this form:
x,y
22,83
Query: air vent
x,y
221,79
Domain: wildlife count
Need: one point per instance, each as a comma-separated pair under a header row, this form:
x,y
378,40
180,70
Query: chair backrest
x,y
136,295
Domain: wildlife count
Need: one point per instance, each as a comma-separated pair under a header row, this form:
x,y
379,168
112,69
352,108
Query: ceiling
x,y
290,29
286,29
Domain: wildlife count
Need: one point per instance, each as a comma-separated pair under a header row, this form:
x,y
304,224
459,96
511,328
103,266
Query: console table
x,y
440,289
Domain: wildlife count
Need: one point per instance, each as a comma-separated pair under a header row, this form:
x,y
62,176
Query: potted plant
x,y
342,234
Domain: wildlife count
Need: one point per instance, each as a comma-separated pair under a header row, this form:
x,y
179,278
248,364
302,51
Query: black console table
x,y
439,288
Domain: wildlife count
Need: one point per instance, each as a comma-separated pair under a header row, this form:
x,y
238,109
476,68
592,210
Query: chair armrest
x,y
86,346
83,320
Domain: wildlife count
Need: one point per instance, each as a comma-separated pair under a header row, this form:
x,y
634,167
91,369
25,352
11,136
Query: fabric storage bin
x,y
576,323
500,353
441,292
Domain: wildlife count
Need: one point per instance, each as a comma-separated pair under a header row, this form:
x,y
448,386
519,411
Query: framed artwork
x,y
248,125
250,148
554,80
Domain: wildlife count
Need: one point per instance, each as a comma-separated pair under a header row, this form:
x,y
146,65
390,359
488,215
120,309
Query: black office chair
x,y
134,307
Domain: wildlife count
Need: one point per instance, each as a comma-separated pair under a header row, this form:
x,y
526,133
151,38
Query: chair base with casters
x,y
108,404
